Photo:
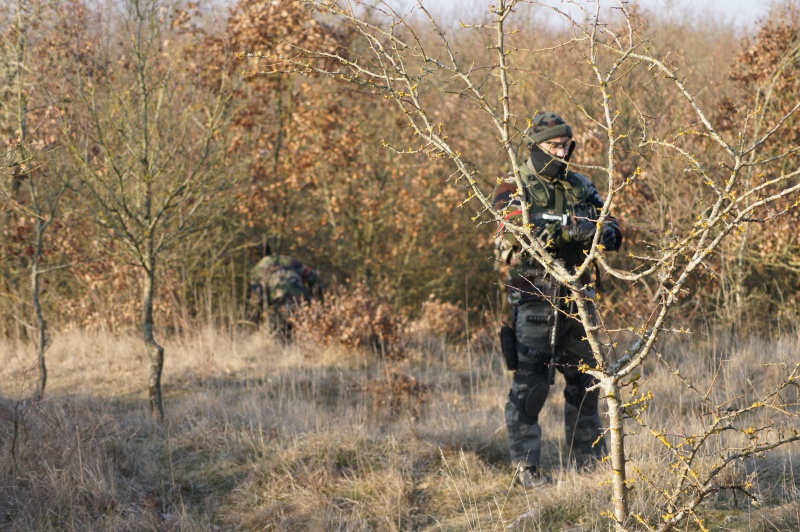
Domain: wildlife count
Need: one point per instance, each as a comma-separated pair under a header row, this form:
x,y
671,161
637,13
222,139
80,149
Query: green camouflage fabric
x,y
284,279
278,283
546,126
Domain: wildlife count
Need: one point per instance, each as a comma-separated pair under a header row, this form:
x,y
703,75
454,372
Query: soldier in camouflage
x,y
552,191
277,284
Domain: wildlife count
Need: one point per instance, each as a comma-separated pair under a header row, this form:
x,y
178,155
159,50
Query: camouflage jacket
x,y
574,196
283,279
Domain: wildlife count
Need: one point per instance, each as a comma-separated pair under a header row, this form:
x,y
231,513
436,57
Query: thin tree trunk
x,y
41,337
23,26
154,350
617,444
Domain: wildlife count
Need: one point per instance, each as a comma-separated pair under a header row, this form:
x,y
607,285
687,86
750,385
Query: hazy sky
x,y
740,13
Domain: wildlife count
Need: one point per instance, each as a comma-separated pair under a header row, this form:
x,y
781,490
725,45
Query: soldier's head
x,y
549,139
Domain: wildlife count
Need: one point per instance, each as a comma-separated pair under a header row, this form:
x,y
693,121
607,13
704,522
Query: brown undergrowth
x,y
353,318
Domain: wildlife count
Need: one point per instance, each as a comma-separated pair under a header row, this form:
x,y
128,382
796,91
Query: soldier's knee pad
x,y
530,402
575,394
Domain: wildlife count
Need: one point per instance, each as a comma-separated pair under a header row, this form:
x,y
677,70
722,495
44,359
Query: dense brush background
x,y
386,412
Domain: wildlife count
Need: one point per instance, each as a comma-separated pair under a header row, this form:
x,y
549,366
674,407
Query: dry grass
x,y
261,435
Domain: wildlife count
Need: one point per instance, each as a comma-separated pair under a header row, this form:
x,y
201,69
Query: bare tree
x,y
146,140
34,190
408,57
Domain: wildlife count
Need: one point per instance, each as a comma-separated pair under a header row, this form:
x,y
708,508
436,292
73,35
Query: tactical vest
x,y
555,197
559,197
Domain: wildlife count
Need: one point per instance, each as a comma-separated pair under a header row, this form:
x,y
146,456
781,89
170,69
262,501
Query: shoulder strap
x,y
559,199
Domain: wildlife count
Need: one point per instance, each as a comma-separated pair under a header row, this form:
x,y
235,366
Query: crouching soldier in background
x,y
278,284
564,206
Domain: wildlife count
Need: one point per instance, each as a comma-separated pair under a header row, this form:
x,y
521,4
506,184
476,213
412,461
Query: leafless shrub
x,y
353,318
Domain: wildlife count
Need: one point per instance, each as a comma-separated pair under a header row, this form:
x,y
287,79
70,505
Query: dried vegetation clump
x,y
67,467
353,318
396,391
439,318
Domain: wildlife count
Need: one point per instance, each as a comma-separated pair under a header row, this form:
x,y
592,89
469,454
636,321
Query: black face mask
x,y
547,165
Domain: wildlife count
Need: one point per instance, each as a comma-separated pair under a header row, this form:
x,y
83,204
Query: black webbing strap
x,y
536,355
559,199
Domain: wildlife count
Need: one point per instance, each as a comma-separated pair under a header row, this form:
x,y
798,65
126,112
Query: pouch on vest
x,y
508,343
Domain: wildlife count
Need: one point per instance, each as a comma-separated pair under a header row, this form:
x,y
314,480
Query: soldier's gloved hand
x,y
550,233
583,231
609,238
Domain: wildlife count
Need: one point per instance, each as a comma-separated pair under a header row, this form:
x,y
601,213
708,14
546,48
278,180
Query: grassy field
x,y
265,436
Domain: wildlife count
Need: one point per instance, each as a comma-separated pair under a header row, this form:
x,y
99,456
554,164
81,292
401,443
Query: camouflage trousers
x,y
275,317
530,388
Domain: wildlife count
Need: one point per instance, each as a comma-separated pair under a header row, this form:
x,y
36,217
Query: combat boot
x,y
586,457
532,476
585,462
